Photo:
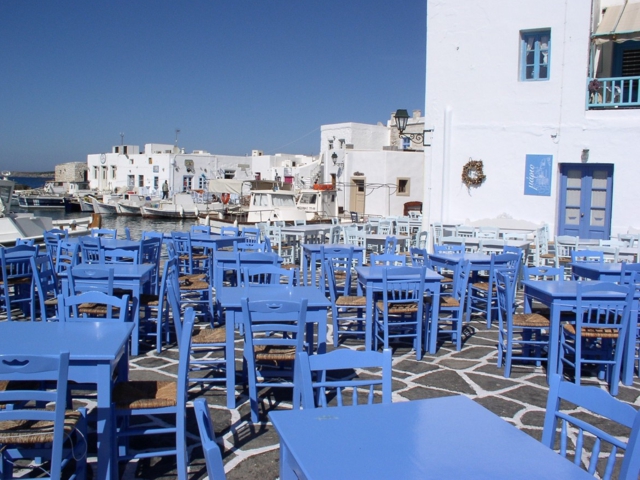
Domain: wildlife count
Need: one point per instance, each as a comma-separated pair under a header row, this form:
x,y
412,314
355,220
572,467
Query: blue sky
x,y
232,75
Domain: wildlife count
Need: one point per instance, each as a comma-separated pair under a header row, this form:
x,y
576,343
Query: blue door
x,y
586,192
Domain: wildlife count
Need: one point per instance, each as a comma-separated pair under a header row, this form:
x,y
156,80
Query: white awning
x,y
619,24
226,186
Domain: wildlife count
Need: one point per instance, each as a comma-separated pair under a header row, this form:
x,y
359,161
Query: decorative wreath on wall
x,y
472,173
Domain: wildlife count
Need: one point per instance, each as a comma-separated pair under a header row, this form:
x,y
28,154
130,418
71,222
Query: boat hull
x,y
103,208
151,212
132,210
41,201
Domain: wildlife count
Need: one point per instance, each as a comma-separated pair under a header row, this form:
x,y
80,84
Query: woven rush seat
x,y
274,353
530,320
398,308
149,300
18,281
195,256
192,277
483,286
90,308
289,266
351,300
445,301
194,285
589,332
563,260
209,335
28,432
145,394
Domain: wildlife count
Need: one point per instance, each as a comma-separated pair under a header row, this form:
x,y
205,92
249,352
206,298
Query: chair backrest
x,y
335,234
94,306
575,425
505,296
564,245
202,229
321,380
152,234
543,273
341,261
66,256
595,311
421,239
630,273
150,252
449,248
385,227
91,250
390,245
123,256
402,285
461,275
51,240
587,256
354,236
251,235
45,283
104,232
437,232
229,231
388,259
212,455
419,257
182,244
487,232
465,231
267,275
98,278
127,233
26,404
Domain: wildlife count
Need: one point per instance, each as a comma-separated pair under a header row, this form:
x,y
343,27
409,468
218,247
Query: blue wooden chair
x,y
44,289
30,431
273,335
212,455
528,331
121,256
419,257
251,234
321,381
104,233
390,245
543,272
93,306
481,294
51,240
388,259
598,334
98,278
150,252
91,250
447,320
267,275
587,256
66,256
449,248
399,314
342,260
347,311
630,275
16,276
200,229
576,434
230,231
135,398
189,261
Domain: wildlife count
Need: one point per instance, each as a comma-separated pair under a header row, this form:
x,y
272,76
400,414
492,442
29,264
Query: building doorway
x,y
357,195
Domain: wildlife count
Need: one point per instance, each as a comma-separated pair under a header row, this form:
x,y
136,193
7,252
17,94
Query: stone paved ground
x,y
251,450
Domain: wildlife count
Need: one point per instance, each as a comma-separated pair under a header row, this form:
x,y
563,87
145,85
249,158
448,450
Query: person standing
x,y
165,190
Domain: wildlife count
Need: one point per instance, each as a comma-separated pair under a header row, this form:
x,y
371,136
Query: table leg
x,y
435,313
229,355
628,355
287,464
107,453
368,320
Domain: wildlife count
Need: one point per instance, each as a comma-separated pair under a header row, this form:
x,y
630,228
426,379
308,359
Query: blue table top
x,y
120,270
449,437
225,256
315,247
375,273
561,289
83,340
229,297
599,267
456,257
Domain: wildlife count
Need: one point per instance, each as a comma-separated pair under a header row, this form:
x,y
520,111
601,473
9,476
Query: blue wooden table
x,y
562,296
607,272
126,277
228,298
449,437
371,279
97,351
214,242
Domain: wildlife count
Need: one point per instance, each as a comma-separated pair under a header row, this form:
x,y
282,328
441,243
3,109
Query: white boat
x,y
86,205
28,225
131,203
181,205
107,206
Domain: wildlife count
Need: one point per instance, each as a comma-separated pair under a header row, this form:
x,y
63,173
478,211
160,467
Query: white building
x,y
510,83
126,168
374,171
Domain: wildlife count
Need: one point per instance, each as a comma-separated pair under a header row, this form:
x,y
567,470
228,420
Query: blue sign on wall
x,y
537,177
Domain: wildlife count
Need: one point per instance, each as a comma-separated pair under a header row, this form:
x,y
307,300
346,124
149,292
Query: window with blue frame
x,y
534,55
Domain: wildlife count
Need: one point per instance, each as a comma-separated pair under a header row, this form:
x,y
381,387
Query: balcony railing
x,y
613,92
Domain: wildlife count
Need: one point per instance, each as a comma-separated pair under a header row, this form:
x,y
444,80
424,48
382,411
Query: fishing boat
x,y
29,226
181,205
107,206
131,203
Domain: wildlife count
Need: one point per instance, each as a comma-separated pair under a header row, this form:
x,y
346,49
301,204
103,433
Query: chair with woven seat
x,y
419,257
267,275
630,274
279,245
448,318
563,246
481,294
342,260
150,398
273,335
27,430
598,334
230,231
347,311
591,424
51,239
528,331
16,279
121,256
67,256
93,306
329,379
45,285
150,252
399,314
200,229
190,262
91,250
212,455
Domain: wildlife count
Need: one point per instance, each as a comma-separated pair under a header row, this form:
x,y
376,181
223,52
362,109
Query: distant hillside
x,y
33,174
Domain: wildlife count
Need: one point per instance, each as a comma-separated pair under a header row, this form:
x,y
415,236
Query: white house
x,y
126,168
512,84
374,171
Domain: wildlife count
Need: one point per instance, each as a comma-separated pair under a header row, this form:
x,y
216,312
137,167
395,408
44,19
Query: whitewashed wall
x,y
481,110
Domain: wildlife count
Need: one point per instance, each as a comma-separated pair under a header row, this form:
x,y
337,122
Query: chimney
x,y
417,114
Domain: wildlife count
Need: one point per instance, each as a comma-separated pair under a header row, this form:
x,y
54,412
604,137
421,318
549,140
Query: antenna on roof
x,y
177,133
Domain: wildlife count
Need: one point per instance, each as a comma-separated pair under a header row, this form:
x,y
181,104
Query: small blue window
x,y
406,143
534,55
